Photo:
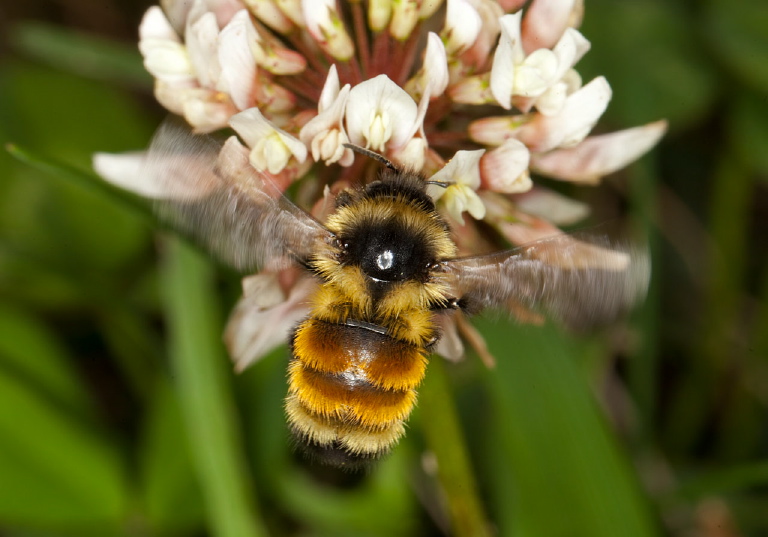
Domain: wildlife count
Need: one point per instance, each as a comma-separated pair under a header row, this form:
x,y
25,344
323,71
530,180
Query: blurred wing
x,y
580,284
211,192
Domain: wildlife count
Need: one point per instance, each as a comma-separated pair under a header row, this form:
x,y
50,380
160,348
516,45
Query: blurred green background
x,y
119,411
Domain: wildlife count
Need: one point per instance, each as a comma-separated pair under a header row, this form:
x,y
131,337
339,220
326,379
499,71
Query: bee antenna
x,y
372,154
444,184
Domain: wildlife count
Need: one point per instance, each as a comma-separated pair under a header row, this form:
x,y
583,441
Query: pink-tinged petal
x,y
272,98
551,206
599,155
207,110
172,95
579,114
496,129
472,90
511,5
544,23
264,317
405,16
379,14
476,57
450,345
520,233
224,10
508,54
517,227
269,53
271,148
238,68
271,15
505,169
380,113
325,25
202,37
233,162
462,26
279,60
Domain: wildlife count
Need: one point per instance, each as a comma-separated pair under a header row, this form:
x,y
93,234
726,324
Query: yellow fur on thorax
x,y
405,310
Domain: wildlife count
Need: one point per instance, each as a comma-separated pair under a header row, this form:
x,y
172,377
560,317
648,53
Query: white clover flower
x,y
483,105
325,24
271,147
462,175
379,113
462,26
325,133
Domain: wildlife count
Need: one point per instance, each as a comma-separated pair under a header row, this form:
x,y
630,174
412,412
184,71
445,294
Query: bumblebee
x,y
386,268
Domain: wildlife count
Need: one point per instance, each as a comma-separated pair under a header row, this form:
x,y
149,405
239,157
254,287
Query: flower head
x,y
490,96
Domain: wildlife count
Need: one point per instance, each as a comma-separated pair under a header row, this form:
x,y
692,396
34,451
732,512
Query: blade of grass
x,y
554,445
204,391
85,180
93,183
444,438
725,480
643,368
86,55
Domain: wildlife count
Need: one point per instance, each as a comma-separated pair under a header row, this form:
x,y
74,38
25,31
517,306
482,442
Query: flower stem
x,y
444,439
202,385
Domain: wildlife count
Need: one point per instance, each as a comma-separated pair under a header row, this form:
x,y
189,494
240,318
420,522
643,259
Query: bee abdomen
x,y
350,390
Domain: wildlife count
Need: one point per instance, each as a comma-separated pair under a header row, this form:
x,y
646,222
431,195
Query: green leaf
x,y
736,33
650,55
61,222
58,470
724,480
561,471
748,130
172,499
380,506
32,354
